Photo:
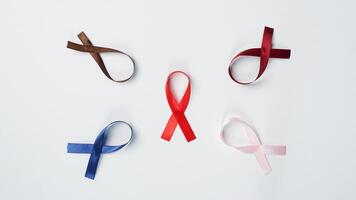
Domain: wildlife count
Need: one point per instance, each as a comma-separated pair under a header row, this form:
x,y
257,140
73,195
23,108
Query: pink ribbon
x,y
260,150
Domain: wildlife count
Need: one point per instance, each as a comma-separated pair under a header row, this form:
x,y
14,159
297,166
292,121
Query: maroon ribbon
x,y
265,52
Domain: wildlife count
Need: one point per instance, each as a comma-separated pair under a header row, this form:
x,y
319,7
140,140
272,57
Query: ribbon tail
x,y
280,53
275,149
88,148
79,148
92,165
263,161
186,128
248,148
169,129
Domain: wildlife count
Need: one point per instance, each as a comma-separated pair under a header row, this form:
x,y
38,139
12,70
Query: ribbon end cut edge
x,y
166,139
191,139
90,176
267,171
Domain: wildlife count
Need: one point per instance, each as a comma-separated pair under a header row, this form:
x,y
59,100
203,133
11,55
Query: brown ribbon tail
x,y
84,38
75,46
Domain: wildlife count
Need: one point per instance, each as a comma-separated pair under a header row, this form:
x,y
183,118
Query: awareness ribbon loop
x,y
260,150
95,150
265,52
95,53
178,109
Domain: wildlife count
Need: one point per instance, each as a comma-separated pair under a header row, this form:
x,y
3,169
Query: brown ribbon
x,y
95,53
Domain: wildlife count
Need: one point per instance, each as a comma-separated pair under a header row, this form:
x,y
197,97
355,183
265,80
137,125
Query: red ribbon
x,y
178,109
265,52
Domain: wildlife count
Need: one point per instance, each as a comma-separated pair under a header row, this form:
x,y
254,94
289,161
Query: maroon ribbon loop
x,y
265,52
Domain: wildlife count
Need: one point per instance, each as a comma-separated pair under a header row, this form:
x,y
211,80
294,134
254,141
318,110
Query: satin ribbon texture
x,y
95,150
178,109
256,147
95,53
265,52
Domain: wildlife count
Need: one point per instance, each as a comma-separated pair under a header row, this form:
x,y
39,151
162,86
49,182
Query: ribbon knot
x,y
265,52
178,109
95,53
256,147
95,150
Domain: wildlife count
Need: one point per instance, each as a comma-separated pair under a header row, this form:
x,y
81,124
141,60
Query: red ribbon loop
x,y
265,52
178,109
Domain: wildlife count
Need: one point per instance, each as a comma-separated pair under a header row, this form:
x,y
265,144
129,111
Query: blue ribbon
x,y
96,149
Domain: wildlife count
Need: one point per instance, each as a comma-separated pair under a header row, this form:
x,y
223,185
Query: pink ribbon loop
x,y
256,147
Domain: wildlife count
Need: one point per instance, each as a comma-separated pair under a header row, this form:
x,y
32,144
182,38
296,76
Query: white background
x,y
51,95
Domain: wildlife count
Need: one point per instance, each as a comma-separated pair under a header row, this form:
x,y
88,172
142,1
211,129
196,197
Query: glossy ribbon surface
x,y
95,53
95,150
260,150
265,52
178,109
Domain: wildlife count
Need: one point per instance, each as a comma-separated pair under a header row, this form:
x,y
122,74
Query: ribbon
x,y
260,150
95,53
178,109
265,52
95,150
